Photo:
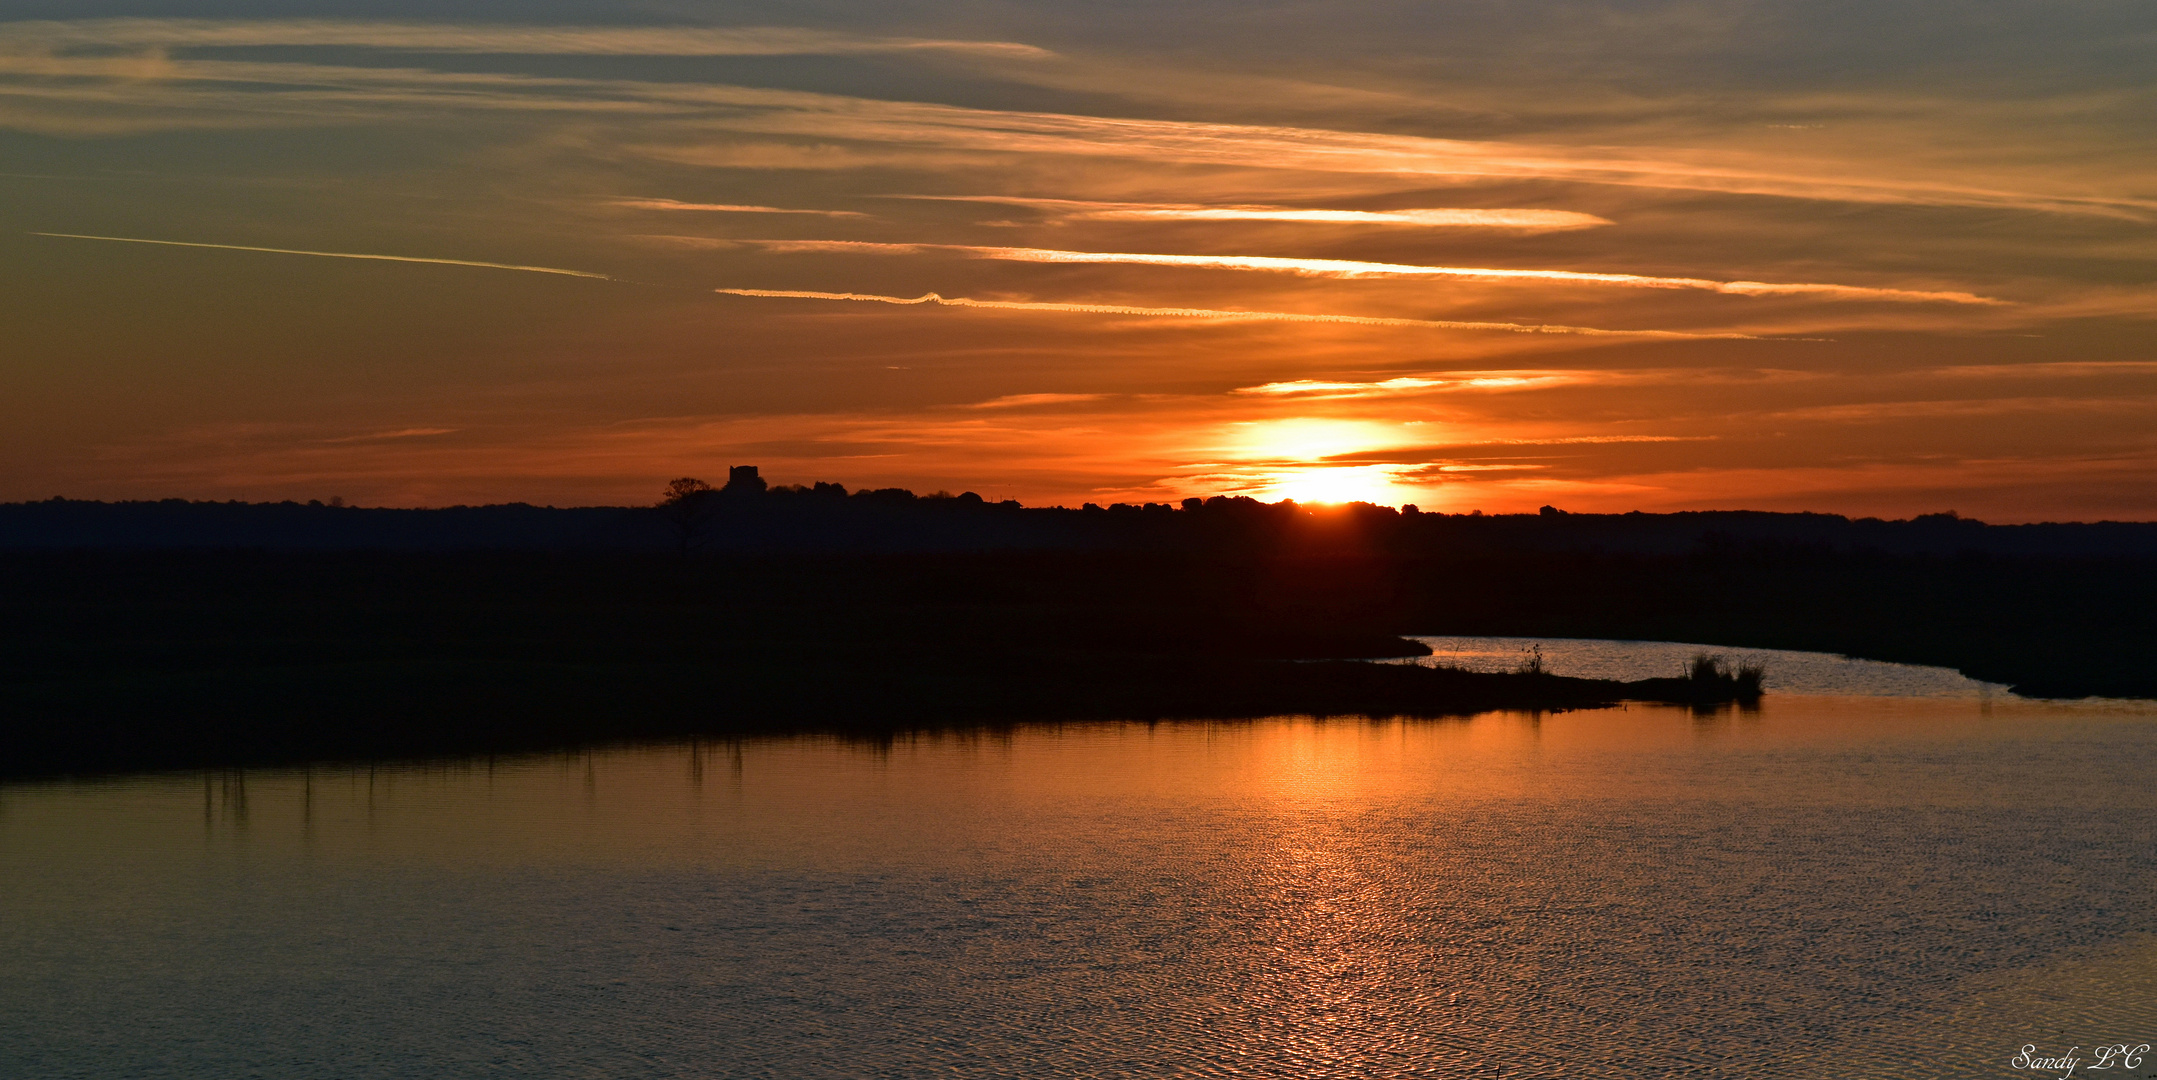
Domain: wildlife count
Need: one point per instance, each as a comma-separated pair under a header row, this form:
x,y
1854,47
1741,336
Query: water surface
x,y
1788,672
1828,886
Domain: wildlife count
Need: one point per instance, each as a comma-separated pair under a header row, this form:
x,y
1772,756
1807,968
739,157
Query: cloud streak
x,y
1429,217
1305,389
482,38
1352,269
335,254
1211,313
2055,369
146,83
1020,401
401,433
724,208
1324,150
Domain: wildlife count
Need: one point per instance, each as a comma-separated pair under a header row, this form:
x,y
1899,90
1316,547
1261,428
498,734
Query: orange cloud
x,y
723,208
1351,269
1430,217
1209,313
1309,388
1016,401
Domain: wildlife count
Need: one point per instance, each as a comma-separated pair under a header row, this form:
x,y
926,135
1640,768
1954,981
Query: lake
x,y
1882,871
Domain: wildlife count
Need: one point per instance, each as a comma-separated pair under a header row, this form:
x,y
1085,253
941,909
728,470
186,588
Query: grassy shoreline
x,y
116,661
230,717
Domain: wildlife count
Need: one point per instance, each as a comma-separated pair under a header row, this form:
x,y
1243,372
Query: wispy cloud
x,y
2057,369
787,156
1866,412
1518,379
334,254
1429,217
1323,150
400,433
1347,268
1016,401
724,208
1411,384
1593,440
1212,313
142,90
483,38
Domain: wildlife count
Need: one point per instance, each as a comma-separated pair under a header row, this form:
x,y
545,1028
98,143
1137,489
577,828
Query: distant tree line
x,y
748,515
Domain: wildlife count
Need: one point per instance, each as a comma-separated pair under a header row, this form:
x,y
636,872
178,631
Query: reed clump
x,y
1740,680
1531,663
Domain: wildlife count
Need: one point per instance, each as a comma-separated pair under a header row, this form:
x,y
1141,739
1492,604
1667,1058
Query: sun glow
x,y
1342,484
1291,459
1306,440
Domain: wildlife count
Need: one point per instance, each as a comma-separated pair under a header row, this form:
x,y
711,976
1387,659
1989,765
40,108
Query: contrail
x,y
336,255
1346,268
1212,313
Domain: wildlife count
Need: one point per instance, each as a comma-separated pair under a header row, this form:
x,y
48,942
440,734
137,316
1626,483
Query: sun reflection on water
x,y
1607,893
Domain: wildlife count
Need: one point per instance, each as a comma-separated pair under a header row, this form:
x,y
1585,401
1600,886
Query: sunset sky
x,y
1870,258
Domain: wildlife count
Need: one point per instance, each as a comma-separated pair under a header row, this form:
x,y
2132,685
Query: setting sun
x,y
1357,483
1292,459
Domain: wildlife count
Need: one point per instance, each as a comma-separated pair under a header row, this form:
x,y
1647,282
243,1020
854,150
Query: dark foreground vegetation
x,y
178,659
116,655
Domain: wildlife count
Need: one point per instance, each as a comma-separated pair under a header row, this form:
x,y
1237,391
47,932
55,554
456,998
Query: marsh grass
x,y
1707,670
1532,663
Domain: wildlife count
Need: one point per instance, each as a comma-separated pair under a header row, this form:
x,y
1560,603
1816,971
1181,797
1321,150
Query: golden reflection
x,y
787,800
1285,896
1333,934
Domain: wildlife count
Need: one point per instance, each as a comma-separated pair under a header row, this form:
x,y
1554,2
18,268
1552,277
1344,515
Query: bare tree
x,y
687,508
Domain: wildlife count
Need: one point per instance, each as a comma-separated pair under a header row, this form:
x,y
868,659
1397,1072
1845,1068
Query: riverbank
x,y
113,662
2054,610
229,716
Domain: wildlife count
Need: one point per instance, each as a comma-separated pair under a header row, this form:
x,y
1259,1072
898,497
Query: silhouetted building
x,y
743,480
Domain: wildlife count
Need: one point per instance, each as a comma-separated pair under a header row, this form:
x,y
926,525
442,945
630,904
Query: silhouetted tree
x,y
687,509
683,489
